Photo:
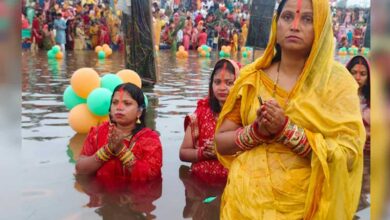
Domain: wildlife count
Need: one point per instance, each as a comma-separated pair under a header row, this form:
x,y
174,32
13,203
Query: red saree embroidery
x,y
147,151
203,124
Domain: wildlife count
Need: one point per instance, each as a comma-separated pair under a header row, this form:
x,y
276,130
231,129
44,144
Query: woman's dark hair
x,y
136,93
214,103
278,55
366,88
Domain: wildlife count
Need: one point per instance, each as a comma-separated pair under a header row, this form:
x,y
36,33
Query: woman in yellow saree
x,y
299,155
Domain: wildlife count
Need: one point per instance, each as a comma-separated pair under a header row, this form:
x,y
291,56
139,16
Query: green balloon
x,y
51,54
98,101
146,101
101,54
221,53
71,99
244,54
110,81
56,49
205,47
208,54
366,51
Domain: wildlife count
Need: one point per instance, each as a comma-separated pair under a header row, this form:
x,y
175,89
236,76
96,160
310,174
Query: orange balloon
x,y
108,51
84,80
209,49
59,55
185,55
81,119
102,119
105,46
130,76
98,48
181,48
228,49
203,53
223,48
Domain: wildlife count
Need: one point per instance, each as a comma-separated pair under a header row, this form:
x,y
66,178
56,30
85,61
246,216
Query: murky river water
x,y
50,146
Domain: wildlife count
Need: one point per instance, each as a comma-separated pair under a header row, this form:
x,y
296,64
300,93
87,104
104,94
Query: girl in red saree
x,y
359,67
123,148
198,142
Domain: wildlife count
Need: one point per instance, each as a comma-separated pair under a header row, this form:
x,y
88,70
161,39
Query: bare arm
x,y
187,151
87,165
225,138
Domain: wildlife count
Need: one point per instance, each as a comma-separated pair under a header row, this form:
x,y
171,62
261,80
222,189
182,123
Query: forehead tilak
x,y
298,13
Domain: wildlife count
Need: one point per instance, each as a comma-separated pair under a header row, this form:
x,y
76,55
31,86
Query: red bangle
x,y
283,128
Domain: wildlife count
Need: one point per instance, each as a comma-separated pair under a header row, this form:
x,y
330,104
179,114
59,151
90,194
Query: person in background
x,y
36,35
179,37
79,42
48,37
94,34
198,142
202,38
60,27
359,67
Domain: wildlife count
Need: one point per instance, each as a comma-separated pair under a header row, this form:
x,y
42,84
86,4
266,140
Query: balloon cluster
x,y
204,51
246,52
103,51
88,96
365,51
342,51
181,53
353,51
225,51
55,52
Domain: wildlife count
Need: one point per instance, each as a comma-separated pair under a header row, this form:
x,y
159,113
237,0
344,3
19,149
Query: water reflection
x,y
118,198
75,146
196,192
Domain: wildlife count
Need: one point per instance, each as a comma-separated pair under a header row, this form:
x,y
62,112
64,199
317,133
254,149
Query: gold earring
x,y
138,121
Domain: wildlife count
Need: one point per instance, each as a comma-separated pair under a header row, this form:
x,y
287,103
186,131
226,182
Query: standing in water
x,y
198,142
290,131
123,147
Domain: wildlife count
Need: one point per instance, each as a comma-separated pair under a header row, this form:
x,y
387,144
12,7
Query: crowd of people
x,y
85,24
209,22
73,26
350,27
